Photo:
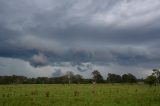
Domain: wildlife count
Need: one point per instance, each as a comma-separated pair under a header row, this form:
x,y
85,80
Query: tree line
x,y
71,78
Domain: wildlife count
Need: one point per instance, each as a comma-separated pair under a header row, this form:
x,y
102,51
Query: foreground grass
x,y
79,95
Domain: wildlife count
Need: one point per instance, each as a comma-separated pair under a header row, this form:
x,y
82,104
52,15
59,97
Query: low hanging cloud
x,y
39,60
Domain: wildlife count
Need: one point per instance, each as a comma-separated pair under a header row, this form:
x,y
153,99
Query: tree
x,y
113,78
129,78
97,77
69,76
78,78
150,80
156,73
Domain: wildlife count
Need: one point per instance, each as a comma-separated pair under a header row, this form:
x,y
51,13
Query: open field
x,y
79,95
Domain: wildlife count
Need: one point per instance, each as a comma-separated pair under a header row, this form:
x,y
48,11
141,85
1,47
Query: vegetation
x,y
79,95
69,78
97,77
66,90
129,78
151,80
156,73
113,78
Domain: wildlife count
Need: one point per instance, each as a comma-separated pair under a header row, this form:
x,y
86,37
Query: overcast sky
x,y
50,37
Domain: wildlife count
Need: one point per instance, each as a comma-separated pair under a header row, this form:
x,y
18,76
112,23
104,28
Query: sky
x,y
47,38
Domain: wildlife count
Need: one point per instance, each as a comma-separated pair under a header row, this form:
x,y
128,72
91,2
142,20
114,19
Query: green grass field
x,y
79,95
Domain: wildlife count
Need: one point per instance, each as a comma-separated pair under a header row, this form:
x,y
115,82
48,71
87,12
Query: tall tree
x,y
97,77
69,76
156,73
78,78
129,78
113,78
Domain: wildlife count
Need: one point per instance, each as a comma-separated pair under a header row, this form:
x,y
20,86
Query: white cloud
x,y
10,66
132,13
39,59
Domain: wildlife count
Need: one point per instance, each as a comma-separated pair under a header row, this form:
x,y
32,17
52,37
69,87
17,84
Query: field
x,y
79,95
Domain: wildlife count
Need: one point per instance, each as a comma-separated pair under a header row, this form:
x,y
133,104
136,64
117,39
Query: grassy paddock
x,y
79,95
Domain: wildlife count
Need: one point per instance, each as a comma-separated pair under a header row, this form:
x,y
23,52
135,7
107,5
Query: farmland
x,y
79,95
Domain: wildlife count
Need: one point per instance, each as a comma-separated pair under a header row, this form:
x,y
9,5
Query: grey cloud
x,y
38,60
123,32
84,67
57,73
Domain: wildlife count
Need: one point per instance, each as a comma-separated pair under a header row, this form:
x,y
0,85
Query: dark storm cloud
x,y
124,32
84,67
